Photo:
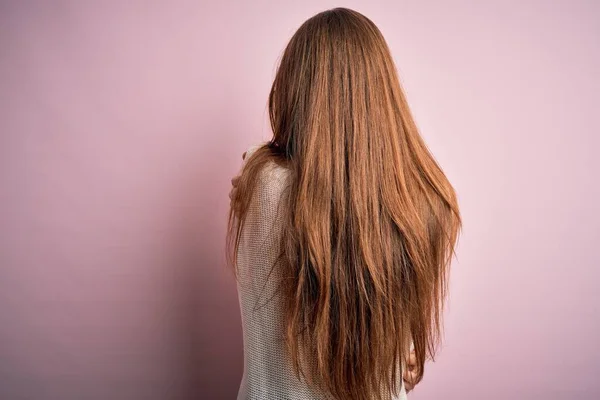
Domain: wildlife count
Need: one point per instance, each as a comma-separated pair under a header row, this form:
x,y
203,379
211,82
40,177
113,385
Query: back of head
x,y
372,218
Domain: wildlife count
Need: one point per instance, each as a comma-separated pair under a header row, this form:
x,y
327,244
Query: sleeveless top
x,y
268,371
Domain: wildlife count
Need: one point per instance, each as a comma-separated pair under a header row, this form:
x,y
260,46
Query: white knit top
x,y
268,372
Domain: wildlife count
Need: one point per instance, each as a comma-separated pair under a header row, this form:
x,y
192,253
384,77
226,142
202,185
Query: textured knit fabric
x,y
268,372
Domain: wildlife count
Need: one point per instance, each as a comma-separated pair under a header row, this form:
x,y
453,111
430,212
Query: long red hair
x,y
372,220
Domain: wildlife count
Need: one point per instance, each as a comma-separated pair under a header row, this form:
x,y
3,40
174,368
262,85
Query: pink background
x,y
121,124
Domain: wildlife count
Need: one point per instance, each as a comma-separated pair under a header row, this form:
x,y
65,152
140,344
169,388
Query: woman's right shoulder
x,y
271,170
273,176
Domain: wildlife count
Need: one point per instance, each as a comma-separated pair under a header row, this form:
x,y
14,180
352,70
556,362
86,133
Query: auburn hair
x,y
372,220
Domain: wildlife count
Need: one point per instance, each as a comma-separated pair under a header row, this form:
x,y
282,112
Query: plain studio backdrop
x,y
121,124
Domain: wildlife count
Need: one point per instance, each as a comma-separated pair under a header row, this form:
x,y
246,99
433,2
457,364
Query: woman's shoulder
x,y
270,180
272,172
273,179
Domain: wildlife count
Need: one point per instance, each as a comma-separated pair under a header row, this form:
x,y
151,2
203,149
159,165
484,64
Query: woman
x,y
341,227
